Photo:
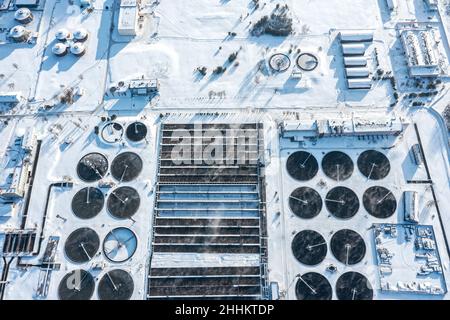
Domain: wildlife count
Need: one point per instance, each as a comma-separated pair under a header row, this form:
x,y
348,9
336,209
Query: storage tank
x,y
63,34
78,49
23,16
80,34
358,61
59,49
19,34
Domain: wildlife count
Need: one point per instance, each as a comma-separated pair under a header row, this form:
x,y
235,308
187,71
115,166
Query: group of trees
x,y
279,23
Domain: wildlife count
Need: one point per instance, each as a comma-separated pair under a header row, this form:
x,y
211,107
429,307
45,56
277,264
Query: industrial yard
x,y
224,150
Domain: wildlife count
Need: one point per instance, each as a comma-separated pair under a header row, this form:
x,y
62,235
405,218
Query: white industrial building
x,y
144,87
411,203
421,52
349,127
417,154
17,165
138,87
354,45
128,17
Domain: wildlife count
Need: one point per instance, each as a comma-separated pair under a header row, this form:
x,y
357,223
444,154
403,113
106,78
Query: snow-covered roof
x,y
353,48
356,36
127,20
358,61
359,83
357,72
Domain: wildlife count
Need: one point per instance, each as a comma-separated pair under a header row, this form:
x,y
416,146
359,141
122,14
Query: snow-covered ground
x,y
175,38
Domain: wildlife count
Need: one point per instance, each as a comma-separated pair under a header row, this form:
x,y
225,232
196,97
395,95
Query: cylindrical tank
x,y
62,35
80,34
23,16
59,49
77,49
19,34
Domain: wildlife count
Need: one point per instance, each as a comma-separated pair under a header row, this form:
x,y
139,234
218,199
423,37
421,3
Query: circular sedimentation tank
x,y
76,285
337,166
123,202
126,167
348,247
88,202
313,286
309,247
353,286
307,61
342,202
136,131
82,245
279,62
120,244
92,167
379,202
117,284
305,202
112,132
302,166
374,165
